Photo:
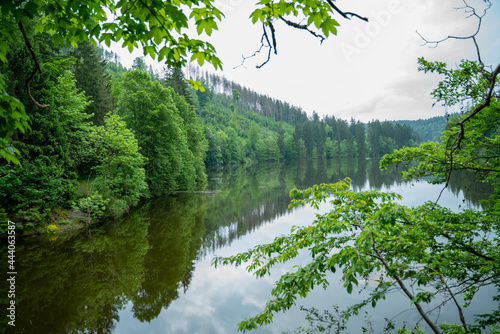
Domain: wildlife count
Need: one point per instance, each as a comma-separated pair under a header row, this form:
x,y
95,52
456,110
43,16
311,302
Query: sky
x,y
368,71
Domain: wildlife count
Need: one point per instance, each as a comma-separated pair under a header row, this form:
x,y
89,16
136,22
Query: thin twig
x,y
268,45
469,249
262,45
346,15
303,27
473,13
460,312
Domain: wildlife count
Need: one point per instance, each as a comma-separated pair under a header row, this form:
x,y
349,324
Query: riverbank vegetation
x,y
87,139
110,136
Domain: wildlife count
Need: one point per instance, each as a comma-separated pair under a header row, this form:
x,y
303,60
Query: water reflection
x,y
174,237
77,284
253,196
136,267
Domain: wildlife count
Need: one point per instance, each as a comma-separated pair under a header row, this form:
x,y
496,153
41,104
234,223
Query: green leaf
x,y
151,50
349,288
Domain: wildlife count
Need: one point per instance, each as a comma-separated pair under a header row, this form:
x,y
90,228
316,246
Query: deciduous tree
x,y
428,252
119,169
161,28
162,129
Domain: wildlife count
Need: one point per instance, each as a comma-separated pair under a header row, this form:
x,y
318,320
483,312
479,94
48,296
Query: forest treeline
x,y
110,136
429,129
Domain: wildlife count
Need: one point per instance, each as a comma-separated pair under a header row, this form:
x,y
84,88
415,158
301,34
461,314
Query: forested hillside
x,y
429,129
282,131
110,136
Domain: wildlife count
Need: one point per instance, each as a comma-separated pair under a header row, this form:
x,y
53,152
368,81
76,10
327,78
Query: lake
x,y
150,272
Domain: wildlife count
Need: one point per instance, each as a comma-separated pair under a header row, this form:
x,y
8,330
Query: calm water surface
x,y
151,271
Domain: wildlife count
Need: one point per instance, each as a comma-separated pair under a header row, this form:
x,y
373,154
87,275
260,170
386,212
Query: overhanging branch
x,y
468,9
455,143
36,69
302,27
407,292
461,135
346,15
272,18
263,40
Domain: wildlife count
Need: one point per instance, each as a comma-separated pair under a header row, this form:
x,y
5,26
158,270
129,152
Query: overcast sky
x,y
369,70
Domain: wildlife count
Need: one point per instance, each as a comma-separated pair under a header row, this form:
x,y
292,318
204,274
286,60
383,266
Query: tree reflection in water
x,y
72,283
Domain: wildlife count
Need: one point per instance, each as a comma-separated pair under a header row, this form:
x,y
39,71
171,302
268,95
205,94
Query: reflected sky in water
x,y
151,272
217,299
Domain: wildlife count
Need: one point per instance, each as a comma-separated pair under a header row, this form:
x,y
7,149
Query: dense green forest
x,y
110,136
429,129
82,139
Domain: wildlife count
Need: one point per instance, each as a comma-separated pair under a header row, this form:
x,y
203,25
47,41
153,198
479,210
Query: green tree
x,y
253,136
344,148
213,154
197,142
290,148
161,28
281,140
236,94
308,137
151,25
329,149
175,78
204,95
233,147
120,167
319,135
301,149
90,75
222,141
139,64
150,111
373,133
472,139
47,179
360,138
428,252
427,129
267,149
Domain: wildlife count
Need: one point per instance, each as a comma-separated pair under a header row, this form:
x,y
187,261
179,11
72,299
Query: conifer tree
x,y
139,64
281,140
174,78
90,74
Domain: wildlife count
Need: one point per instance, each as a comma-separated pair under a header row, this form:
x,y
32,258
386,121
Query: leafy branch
x,y
366,231
454,143
317,14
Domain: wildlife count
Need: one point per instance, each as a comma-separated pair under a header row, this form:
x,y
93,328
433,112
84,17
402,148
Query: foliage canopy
x,y
428,252
161,28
